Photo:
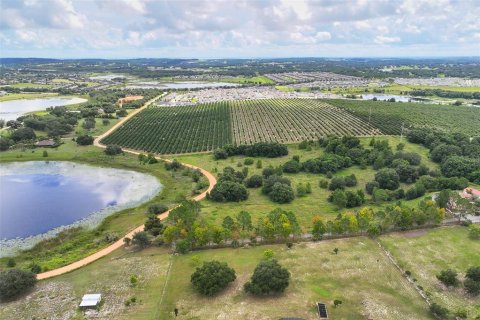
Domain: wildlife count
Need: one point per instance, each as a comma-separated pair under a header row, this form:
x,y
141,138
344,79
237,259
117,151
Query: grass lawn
x,y
317,275
83,242
255,80
29,85
306,207
15,96
427,254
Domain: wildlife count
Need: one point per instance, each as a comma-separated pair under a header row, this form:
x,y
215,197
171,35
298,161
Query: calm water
x,y
37,197
179,85
382,97
11,110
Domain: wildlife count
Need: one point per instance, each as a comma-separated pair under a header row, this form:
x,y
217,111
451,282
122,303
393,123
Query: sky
x,y
238,29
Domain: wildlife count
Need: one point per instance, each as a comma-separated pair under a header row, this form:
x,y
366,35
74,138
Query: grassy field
x,y
30,85
84,242
317,275
16,96
249,80
425,255
305,207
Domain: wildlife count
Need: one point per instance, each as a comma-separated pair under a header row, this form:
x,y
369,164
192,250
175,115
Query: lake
x,y
382,97
11,110
38,199
179,85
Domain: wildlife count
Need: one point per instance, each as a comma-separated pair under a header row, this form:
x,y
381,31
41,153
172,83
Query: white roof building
x,y
91,300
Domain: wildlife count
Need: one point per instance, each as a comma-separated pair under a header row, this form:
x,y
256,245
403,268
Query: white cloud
x,y
243,27
323,36
384,39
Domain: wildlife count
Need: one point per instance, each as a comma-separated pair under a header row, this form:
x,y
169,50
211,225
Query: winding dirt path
x,y
119,243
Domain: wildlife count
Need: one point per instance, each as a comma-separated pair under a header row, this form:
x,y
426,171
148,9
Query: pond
x,y
382,97
11,110
179,85
38,199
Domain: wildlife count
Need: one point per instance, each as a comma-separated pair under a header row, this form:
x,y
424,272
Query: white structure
x,y
91,300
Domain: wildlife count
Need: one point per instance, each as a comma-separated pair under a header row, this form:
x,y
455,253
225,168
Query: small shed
x,y
91,300
46,143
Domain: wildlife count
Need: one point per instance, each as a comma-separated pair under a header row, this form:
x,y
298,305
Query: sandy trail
x,y
119,243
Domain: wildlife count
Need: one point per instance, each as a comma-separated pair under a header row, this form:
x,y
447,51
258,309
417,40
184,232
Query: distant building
x,y
91,300
470,193
48,143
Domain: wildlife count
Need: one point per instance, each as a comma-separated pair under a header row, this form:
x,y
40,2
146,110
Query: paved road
x,y
118,244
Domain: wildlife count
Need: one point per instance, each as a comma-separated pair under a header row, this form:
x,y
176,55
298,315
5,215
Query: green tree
x,y
339,198
387,179
141,239
281,193
319,228
268,277
228,223
212,277
153,225
443,198
244,219
113,150
15,282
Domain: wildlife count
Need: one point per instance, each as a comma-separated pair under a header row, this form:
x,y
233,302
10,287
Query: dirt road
x,y
119,243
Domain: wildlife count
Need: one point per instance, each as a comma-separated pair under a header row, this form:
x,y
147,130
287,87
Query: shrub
x,y
113,150
182,246
157,208
439,311
84,140
269,277
15,282
472,287
281,193
323,184
351,180
336,183
23,134
254,181
271,181
291,166
228,191
387,179
141,239
248,161
212,277
448,277
474,232
301,190
219,154
370,186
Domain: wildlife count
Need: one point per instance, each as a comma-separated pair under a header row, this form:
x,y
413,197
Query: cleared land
x,y
204,127
439,249
389,116
316,275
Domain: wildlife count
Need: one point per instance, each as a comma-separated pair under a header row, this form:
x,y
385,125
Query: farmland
x,y
388,116
204,127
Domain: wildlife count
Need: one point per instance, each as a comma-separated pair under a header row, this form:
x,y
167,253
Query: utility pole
x,y
401,134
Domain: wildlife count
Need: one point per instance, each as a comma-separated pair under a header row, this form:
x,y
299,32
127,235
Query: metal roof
x,y
91,300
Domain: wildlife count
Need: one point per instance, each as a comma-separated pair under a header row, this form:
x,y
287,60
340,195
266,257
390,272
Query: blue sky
x,y
240,28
